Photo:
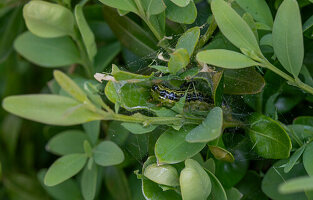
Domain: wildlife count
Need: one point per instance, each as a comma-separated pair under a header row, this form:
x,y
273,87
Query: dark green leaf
x,y
276,176
243,81
131,35
171,146
116,183
105,56
294,158
93,130
217,192
269,138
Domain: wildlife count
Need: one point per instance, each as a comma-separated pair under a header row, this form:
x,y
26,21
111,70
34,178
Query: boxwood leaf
x,y
125,5
294,158
92,130
217,191
48,20
86,33
234,27
153,7
49,109
130,34
67,142
179,60
185,15
162,174
304,120
276,176
116,183
136,128
195,183
287,37
64,168
189,40
243,81
171,146
108,153
299,184
89,181
307,159
47,52
69,189
258,9
269,137
70,86
210,129
105,56
225,58
181,3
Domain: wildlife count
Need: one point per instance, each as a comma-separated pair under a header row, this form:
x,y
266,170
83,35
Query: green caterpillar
x,y
168,97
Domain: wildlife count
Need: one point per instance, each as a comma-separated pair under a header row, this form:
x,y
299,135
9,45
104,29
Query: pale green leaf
x,y
49,20
299,184
308,159
163,174
189,40
225,59
210,129
86,33
108,153
179,60
287,37
136,128
47,52
70,86
49,109
195,183
235,29
64,168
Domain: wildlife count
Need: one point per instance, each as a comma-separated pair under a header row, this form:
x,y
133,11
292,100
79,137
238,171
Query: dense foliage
x,y
156,99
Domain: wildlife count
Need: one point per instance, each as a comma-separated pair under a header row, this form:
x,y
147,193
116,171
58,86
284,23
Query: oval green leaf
x,y
243,81
171,146
47,52
210,129
163,174
64,168
107,153
225,59
67,142
179,60
49,109
235,29
48,20
258,9
89,181
308,159
287,37
195,183
189,40
300,184
185,15
269,137
136,128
